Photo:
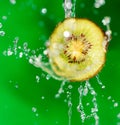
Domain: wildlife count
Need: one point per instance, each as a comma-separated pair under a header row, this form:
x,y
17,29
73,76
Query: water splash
x,y
106,22
80,107
69,98
99,3
99,82
45,66
83,91
61,90
69,8
110,98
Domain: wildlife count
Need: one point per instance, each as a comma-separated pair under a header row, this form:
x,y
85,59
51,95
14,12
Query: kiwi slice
x,y
77,49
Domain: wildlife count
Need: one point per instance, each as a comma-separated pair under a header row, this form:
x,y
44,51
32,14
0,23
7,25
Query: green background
x,y
19,90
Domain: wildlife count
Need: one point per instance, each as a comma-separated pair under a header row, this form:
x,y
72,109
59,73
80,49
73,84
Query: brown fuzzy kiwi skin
x,y
100,68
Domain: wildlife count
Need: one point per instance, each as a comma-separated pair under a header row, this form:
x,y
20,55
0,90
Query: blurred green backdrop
x,y
24,100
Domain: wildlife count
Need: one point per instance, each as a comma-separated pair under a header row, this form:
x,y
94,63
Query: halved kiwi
x,y
77,49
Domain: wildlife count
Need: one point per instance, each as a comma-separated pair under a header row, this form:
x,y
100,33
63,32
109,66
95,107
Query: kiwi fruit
x,y
77,49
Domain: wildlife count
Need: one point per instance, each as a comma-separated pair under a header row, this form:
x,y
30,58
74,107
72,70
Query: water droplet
x,y
43,10
2,33
94,110
47,43
65,100
115,104
93,92
99,3
68,5
43,97
118,123
34,109
61,91
45,52
10,81
106,20
69,103
31,61
113,100
15,41
5,53
13,2
85,91
9,52
109,97
21,54
57,95
66,34
108,32
25,45
37,79
36,114
118,115
4,17
19,47
48,77
16,86
87,104
103,87
99,82
70,87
